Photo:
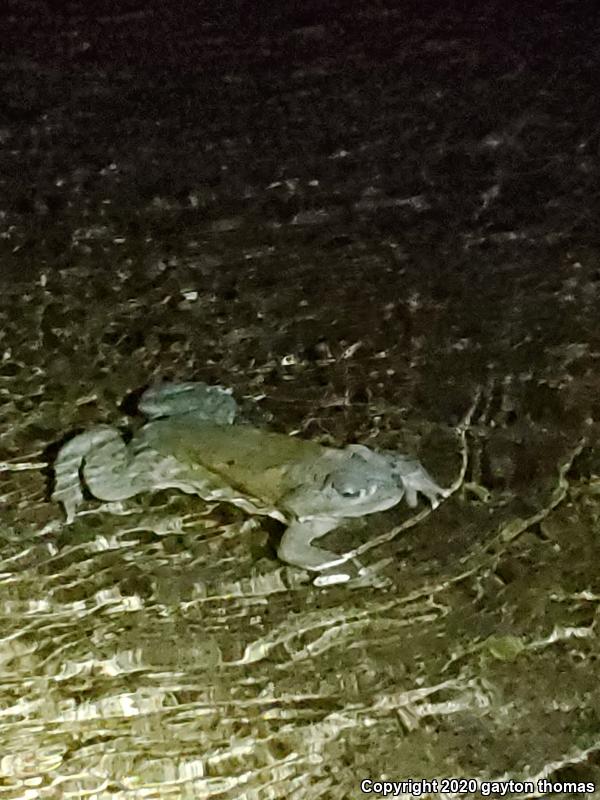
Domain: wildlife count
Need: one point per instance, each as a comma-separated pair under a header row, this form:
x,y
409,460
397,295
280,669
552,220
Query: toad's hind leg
x,y
203,402
102,449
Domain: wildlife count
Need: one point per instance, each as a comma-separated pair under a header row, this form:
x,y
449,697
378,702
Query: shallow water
x,y
372,229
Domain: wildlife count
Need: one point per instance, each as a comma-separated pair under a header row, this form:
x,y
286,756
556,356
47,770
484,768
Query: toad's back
x,y
247,457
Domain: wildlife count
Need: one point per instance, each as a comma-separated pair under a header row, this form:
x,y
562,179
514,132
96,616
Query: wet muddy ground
x,y
377,225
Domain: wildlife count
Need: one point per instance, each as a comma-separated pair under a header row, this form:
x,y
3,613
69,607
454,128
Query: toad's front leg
x,y
415,479
296,548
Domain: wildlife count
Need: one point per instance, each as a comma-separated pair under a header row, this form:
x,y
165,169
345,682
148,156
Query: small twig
x,y
21,466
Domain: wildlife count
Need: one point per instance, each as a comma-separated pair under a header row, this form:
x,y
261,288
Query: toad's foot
x,y
362,576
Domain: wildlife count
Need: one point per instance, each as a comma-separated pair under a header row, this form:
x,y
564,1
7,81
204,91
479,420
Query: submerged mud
x,y
378,229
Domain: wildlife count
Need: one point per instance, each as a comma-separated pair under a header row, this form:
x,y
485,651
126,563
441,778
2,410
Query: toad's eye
x,y
342,488
354,493
346,492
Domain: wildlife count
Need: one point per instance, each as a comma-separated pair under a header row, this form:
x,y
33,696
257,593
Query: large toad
x,y
192,443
